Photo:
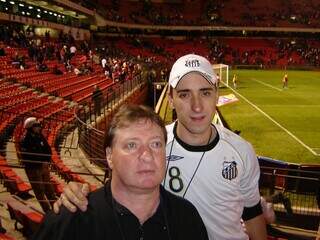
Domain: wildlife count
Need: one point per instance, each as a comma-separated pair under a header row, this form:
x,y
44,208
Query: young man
x,y
207,164
132,205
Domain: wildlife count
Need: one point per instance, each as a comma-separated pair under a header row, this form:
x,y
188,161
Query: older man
x,y
132,205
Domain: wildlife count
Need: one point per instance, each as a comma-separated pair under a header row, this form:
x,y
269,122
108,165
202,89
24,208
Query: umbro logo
x,y
173,158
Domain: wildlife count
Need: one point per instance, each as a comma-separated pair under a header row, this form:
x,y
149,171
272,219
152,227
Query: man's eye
x,y
157,144
131,145
183,95
206,93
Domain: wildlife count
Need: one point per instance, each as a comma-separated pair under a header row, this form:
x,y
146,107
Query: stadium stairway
x,y
74,158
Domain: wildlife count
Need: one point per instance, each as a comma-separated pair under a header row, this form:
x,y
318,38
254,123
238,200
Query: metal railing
x,y
294,190
92,122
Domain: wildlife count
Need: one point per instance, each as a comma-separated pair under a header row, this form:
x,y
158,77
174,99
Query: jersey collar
x,y
191,148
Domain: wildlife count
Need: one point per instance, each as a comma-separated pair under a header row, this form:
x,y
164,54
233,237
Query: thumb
x,y
85,189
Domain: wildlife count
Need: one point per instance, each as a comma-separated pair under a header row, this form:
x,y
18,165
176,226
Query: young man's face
x,y
137,157
194,100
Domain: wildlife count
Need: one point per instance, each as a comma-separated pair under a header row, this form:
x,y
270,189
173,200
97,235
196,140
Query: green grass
x,y
296,109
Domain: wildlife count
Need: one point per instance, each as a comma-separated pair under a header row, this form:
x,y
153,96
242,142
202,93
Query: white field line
x,y
266,84
316,149
276,123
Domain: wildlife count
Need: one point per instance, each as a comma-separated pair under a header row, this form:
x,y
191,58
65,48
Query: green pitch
x,y
280,123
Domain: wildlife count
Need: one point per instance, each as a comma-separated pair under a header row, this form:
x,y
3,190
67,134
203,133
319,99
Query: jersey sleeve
x,y
249,183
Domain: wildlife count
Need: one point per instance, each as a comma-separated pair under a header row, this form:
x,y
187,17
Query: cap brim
x,y
203,74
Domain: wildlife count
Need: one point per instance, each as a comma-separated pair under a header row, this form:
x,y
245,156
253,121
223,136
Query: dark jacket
x,y
97,95
34,147
175,219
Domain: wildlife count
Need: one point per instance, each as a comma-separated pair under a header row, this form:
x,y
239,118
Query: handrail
x,y
161,98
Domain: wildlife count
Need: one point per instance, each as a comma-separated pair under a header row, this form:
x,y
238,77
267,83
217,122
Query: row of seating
x,y
24,214
86,92
18,97
11,180
6,89
81,83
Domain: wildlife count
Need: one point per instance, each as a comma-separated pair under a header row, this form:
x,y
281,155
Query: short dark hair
x,y
130,113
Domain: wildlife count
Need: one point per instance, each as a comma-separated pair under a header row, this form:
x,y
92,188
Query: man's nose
x,y
196,104
146,153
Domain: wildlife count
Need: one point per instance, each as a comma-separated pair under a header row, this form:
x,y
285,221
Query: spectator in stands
x,y
63,53
40,56
36,156
163,74
77,71
85,68
285,81
56,70
132,205
47,35
107,71
137,71
103,62
42,67
91,58
18,61
2,52
72,51
97,98
207,164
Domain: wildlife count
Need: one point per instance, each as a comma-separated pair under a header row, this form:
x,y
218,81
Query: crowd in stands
x,y
158,15
307,50
273,13
276,52
39,50
233,51
266,52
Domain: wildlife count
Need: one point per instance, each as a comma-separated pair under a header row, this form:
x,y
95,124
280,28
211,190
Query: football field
x,y
283,124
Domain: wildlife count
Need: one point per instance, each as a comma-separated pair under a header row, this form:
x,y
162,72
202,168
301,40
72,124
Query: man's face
x,y
36,128
194,100
137,157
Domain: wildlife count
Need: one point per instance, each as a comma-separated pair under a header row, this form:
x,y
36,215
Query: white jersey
x,y
219,179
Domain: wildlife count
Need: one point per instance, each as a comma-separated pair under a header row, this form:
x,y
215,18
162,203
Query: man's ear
x,y
109,157
217,96
170,99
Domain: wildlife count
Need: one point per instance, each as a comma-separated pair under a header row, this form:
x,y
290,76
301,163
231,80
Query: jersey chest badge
x,y
229,170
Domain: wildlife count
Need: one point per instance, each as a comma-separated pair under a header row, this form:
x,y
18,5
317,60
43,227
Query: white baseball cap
x,y
191,63
29,122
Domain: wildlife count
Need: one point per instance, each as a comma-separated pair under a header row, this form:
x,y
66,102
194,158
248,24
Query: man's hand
x,y
74,196
256,228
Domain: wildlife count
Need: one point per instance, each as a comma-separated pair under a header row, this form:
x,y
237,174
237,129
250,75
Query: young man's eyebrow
x,y
201,89
183,90
207,89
